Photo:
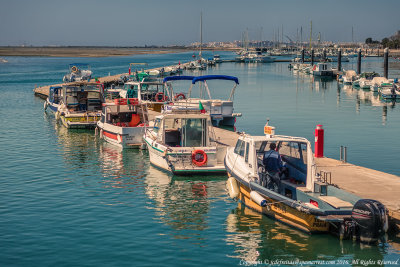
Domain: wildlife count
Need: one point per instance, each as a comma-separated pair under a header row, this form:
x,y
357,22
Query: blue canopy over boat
x,y
215,77
175,78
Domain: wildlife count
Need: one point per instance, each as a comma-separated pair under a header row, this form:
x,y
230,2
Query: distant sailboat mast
x,y
310,35
201,33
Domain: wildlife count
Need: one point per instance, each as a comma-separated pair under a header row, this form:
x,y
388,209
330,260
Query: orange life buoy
x,y
163,97
180,96
199,157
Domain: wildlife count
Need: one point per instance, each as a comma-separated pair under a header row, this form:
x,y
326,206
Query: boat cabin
x,y
124,114
81,97
183,130
151,92
322,69
296,155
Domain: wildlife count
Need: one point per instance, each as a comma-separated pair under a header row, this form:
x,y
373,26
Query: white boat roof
x,y
380,80
184,116
351,73
275,138
145,82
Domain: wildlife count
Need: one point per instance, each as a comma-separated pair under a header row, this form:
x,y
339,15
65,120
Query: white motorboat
x,y
78,72
295,194
364,81
380,83
221,111
322,69
123,122
349,77
183,142
390,92
217,59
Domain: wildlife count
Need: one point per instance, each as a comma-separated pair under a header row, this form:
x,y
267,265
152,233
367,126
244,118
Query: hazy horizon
x,y
177,22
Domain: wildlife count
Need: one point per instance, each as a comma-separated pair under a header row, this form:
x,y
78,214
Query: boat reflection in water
x,y
82,150
183,203
79,146
122,168
257,238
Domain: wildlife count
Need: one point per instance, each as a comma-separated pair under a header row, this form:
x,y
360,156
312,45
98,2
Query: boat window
x,y
93,95
260,145
193,132
240,147
246,158
290,149
292,153
157,124
303,147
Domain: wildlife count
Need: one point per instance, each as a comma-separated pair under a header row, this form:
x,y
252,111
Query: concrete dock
x,y
361,181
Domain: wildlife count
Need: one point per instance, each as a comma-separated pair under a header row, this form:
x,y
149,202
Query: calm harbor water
x,y
69,199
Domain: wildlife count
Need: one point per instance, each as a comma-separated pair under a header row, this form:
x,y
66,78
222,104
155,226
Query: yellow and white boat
x,y
296,195
80,105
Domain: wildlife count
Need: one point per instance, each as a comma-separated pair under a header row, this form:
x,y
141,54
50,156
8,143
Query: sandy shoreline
x,y
85,51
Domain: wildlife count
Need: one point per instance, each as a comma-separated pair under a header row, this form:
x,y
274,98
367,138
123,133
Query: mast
x,y
201,33
301,35
310,35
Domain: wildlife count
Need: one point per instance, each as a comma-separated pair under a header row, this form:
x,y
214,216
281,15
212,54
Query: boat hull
x,y
80,122
124,137
305,222
163,160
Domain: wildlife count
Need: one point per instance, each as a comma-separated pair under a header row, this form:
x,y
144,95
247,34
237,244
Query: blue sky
x,y
165,22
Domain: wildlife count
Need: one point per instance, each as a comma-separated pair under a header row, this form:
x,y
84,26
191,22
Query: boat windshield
x,y
293,154
149,91
185,132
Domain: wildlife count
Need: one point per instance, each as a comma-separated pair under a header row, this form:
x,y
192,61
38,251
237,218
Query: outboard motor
x,y
370,220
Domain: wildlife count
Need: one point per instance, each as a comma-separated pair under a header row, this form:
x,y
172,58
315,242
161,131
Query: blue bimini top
x,y
215,77
176,78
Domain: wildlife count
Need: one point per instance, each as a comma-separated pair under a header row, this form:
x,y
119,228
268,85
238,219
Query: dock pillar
x,y
385,62
302,55
339,60
312,57
319,141
359,61
324,54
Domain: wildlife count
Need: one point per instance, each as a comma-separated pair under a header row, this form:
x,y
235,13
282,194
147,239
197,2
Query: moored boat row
x,y
181,140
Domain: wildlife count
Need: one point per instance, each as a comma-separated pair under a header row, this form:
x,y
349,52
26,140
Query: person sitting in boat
x,y
273,164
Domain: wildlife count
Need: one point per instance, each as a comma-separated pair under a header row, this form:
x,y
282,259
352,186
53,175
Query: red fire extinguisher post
x,y
319,141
